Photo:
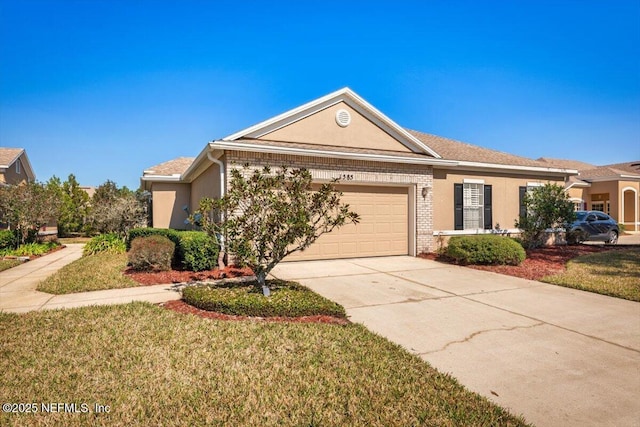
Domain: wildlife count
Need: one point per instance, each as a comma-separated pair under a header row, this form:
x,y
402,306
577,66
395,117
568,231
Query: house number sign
x,y
346,177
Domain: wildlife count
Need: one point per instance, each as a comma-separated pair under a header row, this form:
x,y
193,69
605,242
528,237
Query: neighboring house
x,y
613,189
15,167
409,187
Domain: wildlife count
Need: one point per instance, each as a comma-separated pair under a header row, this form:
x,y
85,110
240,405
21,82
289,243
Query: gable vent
x,y
343,118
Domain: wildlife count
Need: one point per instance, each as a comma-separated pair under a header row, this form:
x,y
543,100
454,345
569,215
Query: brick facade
x,y
358,172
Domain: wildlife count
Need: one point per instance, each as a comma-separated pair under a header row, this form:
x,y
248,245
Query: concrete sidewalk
x,y
18,285
559,356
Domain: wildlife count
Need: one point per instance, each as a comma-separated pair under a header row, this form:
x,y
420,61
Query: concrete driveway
x,y
558,356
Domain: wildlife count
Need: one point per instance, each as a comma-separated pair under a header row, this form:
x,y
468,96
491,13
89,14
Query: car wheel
x,y
612,238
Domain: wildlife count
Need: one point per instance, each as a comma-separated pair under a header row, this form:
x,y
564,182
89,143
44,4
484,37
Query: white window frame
x,y
18,167
468,206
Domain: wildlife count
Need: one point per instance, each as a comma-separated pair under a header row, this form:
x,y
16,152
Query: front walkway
x,y
559,356
18,285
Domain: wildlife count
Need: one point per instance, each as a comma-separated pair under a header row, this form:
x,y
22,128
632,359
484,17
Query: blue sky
x,y
106,88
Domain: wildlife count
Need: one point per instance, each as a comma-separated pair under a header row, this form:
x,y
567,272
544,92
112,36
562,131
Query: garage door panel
x,y
383,227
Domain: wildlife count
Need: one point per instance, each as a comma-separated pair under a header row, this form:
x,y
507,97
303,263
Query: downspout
x,y
220,164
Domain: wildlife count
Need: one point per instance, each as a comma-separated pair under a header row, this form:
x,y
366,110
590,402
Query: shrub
x,y
104,243
485,249
8,239
194,250
34,249
148,231
288,299
197,251
151,253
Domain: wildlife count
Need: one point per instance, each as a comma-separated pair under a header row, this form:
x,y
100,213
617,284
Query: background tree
x,y
116,210
267,216
75,205
28,207
548,207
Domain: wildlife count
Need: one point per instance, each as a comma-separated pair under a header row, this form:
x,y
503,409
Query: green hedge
x,y
288,299
194,250
485,249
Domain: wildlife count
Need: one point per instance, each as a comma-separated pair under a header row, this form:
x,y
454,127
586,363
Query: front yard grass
x,y
90,273
6,264
615,273
153,366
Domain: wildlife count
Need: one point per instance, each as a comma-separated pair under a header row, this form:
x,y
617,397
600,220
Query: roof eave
x,y
613,178
236,146
161,178
517,168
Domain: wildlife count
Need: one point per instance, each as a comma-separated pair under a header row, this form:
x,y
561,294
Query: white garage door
x,y
383,228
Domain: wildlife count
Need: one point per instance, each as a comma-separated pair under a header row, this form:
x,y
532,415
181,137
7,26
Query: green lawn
x,y
156,367
91,273
6,264
615,273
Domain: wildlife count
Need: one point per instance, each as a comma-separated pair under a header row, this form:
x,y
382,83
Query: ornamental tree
x,y
28,207
266,216
548,207
116,210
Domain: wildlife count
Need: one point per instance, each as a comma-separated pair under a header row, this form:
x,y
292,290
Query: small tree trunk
x,y
221,265
261,277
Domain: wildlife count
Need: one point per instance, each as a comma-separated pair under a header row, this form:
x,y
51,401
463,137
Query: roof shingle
x,y
9,155
172,167
451,149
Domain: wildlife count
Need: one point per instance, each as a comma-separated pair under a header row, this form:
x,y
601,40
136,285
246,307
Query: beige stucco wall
x,y
505,195
629,213
321,128
207,184
167,202
607,187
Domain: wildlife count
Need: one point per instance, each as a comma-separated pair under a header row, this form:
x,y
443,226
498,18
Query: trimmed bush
x,y
105,243
148,231
151,253
288,299
8,239
194,250
485,249
197,251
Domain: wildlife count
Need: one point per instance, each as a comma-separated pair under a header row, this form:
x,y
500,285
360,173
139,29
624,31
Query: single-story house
x,y
15,167
612,189
409,187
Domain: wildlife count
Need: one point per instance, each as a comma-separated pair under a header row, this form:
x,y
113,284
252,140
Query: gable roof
x,y
175,167
9,156
628,170
351,99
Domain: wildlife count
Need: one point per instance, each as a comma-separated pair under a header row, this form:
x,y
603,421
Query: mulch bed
x,y
184,308
178,276
540,262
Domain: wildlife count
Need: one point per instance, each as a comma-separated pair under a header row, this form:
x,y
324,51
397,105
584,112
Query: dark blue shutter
x,y
488,217
458,218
